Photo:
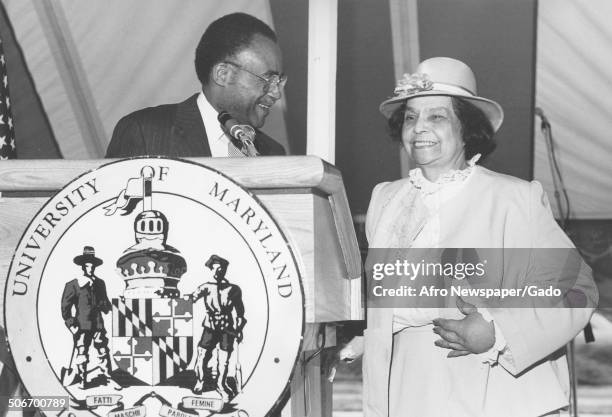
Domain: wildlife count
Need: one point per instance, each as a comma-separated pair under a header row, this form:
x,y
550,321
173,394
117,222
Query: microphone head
x,y
223,117
236,131
539,112
242,132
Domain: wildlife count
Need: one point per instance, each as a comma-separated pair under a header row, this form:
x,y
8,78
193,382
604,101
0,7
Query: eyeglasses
x,y
275,80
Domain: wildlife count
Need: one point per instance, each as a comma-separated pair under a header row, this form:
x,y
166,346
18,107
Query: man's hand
x,y
471,334
240,323
342,355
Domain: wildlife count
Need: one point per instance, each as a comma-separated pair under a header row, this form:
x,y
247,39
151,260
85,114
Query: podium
x,y
305,196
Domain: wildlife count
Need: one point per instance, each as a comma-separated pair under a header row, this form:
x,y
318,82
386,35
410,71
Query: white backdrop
x,y
574,88
95,61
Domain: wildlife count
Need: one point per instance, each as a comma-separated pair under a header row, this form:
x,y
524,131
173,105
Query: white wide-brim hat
x,y
442,76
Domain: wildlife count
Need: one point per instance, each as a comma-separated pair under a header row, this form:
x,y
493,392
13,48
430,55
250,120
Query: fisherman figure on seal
x,y
84,300
223,324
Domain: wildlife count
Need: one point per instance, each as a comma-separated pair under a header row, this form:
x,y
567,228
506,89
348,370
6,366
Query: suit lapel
x,y
258,142
189,126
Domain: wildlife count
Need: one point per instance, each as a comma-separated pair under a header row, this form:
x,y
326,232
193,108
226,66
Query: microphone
x,y
540,113
245,134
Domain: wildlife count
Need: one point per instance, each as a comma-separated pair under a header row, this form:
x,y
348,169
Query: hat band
x,y
451,88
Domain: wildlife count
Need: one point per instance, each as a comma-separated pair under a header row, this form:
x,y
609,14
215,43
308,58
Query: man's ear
x,y
221,74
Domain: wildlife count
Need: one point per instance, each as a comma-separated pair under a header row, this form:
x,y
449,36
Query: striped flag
x,y
7,130
9,382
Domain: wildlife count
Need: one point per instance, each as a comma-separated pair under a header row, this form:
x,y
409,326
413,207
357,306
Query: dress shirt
x,y
217,139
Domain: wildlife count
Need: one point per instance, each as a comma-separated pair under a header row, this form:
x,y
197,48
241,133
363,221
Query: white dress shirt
x,y
217,139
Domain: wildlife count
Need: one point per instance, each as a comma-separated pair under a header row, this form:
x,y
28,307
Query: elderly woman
x,y
464,360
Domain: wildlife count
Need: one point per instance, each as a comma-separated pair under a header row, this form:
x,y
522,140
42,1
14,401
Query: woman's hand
x,y
471,334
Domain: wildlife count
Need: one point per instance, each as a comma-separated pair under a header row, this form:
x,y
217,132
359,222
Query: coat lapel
x,y
189,127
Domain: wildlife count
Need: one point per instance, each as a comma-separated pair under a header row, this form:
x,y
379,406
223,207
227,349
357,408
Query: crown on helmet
x,y
151,268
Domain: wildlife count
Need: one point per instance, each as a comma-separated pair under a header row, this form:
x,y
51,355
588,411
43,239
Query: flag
x,y
9,382
7,130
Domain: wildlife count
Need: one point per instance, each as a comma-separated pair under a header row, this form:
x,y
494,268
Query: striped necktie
x,y
233,151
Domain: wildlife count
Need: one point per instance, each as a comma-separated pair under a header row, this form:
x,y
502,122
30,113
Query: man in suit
x,y
238,63
86,295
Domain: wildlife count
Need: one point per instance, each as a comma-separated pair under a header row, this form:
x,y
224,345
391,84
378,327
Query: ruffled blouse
x,y
433,196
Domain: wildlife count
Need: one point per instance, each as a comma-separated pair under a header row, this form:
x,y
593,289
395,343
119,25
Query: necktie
x,y
247,148
233,151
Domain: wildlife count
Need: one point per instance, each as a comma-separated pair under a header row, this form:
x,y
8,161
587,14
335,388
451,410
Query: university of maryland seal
x,y
155,286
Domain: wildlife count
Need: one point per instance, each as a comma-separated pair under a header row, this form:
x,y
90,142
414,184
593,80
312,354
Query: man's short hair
x,y
225,37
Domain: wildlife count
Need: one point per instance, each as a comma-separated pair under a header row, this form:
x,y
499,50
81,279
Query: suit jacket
x,y
491,211
174,130
89,301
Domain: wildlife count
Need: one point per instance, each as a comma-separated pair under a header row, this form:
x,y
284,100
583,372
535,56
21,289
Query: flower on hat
x,y
412,83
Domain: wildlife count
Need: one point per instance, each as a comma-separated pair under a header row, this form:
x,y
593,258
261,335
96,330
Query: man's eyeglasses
x,y
270,81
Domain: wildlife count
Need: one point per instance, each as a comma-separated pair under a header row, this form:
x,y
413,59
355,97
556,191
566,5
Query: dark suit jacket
x,y
174,130
89,302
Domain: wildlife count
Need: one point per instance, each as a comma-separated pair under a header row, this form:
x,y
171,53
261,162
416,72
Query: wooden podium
x,y
305,196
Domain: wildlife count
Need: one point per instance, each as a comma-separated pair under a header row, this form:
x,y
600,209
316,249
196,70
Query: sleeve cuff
x,y
352,350
500,346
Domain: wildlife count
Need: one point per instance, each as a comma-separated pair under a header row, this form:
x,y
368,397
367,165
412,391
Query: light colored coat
x,y
491,211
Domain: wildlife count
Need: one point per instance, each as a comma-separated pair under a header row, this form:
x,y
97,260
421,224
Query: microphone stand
x,y
558,184
557,178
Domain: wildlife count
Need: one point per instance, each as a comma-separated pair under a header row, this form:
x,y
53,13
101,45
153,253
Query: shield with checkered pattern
x,y
152,338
